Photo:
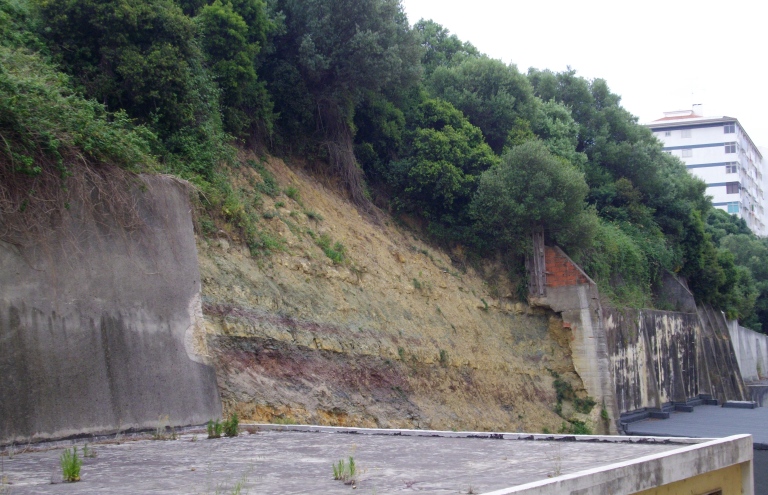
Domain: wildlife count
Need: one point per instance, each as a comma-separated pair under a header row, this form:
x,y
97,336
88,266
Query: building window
x,y
686,133
730,128
687,153
730,168
731,187
730,148
733,207
667,133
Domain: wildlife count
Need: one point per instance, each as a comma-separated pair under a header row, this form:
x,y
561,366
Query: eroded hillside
x,y
392,335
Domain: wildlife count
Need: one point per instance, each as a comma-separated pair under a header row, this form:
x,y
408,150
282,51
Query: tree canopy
x,y
412,114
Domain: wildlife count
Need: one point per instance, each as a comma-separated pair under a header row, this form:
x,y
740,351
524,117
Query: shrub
x,y
293,193
335,252
230,426
215,428
70,465
584,405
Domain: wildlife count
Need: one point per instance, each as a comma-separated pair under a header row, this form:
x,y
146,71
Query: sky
x,y
657,55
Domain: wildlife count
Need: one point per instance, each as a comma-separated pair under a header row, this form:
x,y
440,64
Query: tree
x,y
137,55
232,44
443,160
440,47
530,188
344,49
494,96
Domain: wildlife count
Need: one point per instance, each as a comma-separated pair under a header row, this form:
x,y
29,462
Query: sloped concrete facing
x,y
719,369
751,350
96,325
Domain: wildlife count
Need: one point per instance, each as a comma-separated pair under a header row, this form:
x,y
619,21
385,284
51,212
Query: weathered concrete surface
x,y
295,462
570,292
653,356
751,351
96,324
719,370
659,357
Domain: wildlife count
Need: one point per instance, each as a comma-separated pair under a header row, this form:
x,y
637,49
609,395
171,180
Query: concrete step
x,y
740,404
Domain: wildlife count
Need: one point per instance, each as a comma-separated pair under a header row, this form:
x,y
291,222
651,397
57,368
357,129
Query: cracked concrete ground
x,y
299,462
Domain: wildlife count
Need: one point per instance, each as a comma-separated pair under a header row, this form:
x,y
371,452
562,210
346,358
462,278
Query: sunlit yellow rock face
x,y
400,334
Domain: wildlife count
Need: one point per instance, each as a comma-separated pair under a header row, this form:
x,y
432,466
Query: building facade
x,y
720,152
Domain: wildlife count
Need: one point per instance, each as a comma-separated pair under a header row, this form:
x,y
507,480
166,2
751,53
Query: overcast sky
x,y
658,55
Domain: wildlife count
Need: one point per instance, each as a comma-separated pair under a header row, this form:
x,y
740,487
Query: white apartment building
x,y
720,152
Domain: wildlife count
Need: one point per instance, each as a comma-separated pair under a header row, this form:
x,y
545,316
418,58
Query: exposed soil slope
x,y
393,336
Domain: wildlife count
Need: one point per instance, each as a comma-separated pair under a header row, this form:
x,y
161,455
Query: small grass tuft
x,y
313,215
70,465
335,252
293,193
345,471
215,428
231,426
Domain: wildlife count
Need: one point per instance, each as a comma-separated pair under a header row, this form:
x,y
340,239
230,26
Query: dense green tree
x,y
344,49
440,47
137,55
531,188
232,44
493,95
443,158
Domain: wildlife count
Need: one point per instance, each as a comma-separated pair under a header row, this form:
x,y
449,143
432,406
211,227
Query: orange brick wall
x,y
561,272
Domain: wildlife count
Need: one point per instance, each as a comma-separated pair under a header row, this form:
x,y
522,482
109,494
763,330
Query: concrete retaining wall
x,y
570,292
634,359
653,356
659,357
751,352
97,324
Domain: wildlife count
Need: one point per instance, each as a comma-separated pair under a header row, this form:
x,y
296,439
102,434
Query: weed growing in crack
x,y
164,430
231,426
215,428
70,465
345,471
584,405
88,452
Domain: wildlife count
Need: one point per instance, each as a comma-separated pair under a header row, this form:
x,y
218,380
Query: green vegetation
x,y
345,471
407,117
443,359
230,426
70,465
584,405
335,252
215,428
282,420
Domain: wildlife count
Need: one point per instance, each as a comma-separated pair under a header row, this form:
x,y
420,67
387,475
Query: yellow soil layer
x,y
432,346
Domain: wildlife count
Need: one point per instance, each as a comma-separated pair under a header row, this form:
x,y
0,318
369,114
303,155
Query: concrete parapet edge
x,y
479,434
651,471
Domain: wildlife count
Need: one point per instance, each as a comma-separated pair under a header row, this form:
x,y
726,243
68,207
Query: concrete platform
x,y
299,462
713,421
708,422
